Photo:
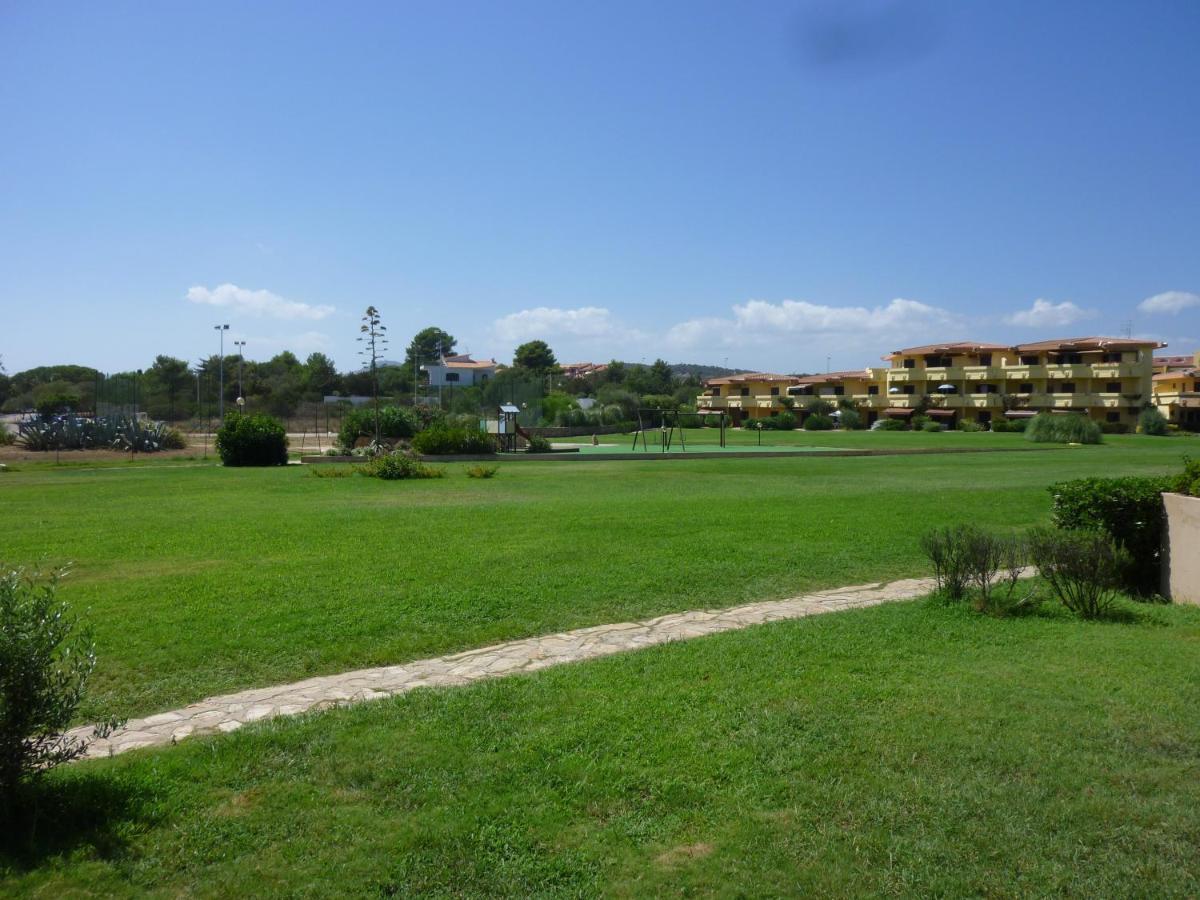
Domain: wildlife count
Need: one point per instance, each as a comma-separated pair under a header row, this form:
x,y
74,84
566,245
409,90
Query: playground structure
x,y
665,422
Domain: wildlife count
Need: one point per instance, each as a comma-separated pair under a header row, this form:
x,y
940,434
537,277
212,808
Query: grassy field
x,y
203,580
911,749
736,438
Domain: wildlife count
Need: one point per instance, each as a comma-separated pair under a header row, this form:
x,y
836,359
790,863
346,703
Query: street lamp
x,y
221,329
241,345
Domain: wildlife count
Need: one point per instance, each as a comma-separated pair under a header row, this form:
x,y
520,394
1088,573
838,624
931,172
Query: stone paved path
x,y
232,711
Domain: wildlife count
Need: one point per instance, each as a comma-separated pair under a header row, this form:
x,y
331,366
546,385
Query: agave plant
x,y
67,432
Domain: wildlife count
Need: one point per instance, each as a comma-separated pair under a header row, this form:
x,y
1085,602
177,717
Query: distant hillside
x,y
703,372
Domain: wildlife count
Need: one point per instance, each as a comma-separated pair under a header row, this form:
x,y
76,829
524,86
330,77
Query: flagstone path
x,y
231,711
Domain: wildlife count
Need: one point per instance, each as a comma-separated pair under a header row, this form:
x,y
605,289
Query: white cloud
x,y
1170,302
1044,314
256,303
549,323
759,321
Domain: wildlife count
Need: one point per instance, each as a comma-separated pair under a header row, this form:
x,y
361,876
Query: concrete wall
x,y
1181,568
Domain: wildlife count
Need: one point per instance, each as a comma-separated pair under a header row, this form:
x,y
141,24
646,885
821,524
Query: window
x,y
1025,388
909,389
1067,387
910,363
1068,359
985,389
774,392
1029,360
745,392
1112,417
985,359
937,362
1196,387
1113,387
451,376
716,392
1111,358
838,391
873,390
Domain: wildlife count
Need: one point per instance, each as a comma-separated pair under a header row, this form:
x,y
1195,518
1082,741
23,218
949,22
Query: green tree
x,y
168,381
427,346
320,376
661,378
537,357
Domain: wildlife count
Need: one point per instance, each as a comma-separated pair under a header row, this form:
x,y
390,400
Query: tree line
x,y
172,389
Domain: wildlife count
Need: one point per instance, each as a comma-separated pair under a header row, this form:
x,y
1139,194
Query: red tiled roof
x,y
953,347
833,376
1178,373
464,361
1077,345
748,377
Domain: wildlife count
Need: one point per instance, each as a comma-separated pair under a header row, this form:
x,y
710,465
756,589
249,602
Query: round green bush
x,y
931,426
1151,421
818,422
850,419
252,440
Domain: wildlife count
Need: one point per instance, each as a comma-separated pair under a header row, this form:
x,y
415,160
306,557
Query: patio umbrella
x,y
946,388
893,390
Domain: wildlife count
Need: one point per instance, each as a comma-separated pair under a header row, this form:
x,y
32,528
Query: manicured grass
x,y
203,580
911,749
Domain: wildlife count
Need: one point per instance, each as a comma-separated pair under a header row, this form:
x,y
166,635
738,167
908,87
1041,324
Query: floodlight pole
x,y
241,345
221,329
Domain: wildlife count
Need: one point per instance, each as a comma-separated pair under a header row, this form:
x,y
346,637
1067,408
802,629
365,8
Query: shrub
x,y
818,422
785,421
1152,422
851,419
538,444
396,466
110,432
251,440
818,407
1083,568
1129,510
7,438
444,440
1189,482
889,424
482,471
1000,425
46,659
964,557
395,422
970,427
57,404
1069,428
930,426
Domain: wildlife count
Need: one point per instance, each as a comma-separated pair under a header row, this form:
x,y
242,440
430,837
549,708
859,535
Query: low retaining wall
x,y
1181,562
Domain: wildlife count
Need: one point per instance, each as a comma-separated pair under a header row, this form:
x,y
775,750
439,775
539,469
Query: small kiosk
x,y
506,428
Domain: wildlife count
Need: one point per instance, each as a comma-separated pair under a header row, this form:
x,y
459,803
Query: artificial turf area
x,y
910,749
202,580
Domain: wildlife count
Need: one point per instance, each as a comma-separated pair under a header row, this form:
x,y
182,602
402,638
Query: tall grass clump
x,y
1068,428
971,563
1083,568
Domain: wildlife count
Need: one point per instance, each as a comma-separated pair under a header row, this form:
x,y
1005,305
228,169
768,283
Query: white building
x,y
459,371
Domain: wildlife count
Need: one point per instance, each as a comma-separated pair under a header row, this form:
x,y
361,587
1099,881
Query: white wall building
x,y
459,371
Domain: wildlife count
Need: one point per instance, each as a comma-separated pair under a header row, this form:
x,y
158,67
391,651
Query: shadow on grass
x,y
59,815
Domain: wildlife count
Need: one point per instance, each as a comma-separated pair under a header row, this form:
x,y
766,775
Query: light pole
x,y
241,345
221,329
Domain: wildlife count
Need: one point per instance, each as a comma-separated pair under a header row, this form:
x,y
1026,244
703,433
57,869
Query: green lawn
x,y
737,438
203,580
909,750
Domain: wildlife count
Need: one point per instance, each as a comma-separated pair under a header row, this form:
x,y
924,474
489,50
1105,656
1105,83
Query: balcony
x,y
1024,373
982,373
946,373
1118,370
1068,371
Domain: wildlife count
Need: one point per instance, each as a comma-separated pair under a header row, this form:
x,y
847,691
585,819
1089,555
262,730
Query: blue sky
x,y
768,184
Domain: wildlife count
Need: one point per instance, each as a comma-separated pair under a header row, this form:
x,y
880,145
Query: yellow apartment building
x,y
1107,379
754,395
1176,390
